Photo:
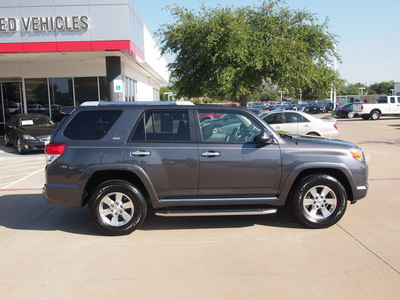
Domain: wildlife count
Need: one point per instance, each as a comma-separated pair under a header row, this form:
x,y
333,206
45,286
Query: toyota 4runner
x,y
123,160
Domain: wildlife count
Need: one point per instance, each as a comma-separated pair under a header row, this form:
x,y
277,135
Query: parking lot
x,y
53,252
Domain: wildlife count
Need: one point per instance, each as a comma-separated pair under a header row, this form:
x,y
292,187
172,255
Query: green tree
x,y
228,52
383,87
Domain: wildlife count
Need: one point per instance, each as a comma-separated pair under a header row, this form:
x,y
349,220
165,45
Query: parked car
x,y
346,111
316,108
28,132
124,160
301,123
328,106
210,126
384,106
258,105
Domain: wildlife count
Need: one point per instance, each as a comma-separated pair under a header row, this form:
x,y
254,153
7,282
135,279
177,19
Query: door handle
x,y
140,153
211,154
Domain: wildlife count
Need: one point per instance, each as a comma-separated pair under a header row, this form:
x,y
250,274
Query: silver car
x,y
301,123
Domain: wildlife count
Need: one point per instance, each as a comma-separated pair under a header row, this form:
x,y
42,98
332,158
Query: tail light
x,y
54,151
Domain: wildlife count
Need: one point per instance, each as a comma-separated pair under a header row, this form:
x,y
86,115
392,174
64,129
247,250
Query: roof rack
x,y
104,103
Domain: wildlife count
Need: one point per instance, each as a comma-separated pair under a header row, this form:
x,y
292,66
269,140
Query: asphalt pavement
x,y
53,252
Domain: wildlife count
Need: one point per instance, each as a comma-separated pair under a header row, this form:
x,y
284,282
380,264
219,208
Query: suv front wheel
x,y
319,201
117,207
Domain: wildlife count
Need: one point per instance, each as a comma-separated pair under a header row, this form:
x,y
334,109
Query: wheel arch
x,y
313,133
133,178
375,110
334,172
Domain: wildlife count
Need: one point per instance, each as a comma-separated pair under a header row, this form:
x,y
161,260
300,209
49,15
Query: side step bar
x,y
216,212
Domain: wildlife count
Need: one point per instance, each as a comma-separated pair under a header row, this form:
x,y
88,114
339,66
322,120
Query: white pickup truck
x,y
386,105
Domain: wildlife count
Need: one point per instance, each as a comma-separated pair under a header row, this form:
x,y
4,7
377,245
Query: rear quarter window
x,y
91,125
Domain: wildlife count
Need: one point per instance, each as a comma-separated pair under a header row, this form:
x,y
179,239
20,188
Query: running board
x,y
216,212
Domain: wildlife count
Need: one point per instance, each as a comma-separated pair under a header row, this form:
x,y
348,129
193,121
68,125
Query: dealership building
x,y
56,53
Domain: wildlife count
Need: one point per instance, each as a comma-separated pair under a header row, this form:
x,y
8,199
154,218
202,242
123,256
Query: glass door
x,y
11,102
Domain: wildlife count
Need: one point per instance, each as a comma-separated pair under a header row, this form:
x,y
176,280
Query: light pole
x,y
281,95
300,94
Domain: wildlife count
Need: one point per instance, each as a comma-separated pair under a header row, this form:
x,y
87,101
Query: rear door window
x,y
91,125
163,126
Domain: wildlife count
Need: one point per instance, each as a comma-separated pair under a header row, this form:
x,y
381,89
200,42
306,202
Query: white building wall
x,y
153,56
397,89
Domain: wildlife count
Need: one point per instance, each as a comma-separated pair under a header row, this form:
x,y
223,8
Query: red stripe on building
x,y
70,46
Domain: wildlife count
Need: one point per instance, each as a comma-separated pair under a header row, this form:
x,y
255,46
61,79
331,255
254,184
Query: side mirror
x,y
265,137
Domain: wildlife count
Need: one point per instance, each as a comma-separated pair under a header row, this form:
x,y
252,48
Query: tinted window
x,y
274,118
382,100
91,125
163,126
392,100
295,118
228,127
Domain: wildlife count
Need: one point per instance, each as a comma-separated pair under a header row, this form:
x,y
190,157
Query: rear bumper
x,y
61,194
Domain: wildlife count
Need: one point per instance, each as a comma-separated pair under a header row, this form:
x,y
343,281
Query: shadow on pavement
x,y
32,212
281,219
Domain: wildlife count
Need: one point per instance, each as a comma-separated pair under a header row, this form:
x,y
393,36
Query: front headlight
x,y
29,137
358,154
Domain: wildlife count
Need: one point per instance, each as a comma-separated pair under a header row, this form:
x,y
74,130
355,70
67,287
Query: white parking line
x,y
22,179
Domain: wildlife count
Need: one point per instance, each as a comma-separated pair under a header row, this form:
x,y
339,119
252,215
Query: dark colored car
x,y
346,111
210,126
328,106
315,108
28,132
123,160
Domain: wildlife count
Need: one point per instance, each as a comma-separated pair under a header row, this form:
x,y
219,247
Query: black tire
x,y
6,141
319,201
116,207
365,117
375,115
350,115
18,144
312,134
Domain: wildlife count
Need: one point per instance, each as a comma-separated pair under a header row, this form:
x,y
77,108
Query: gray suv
x,y
123,160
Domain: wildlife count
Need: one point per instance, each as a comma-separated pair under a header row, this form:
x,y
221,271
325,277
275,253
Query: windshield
x,y
37,121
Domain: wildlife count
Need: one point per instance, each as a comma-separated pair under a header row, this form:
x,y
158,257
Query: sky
x,y
368,32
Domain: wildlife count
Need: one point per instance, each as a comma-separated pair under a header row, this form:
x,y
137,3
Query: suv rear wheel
x,y
319,201
117,207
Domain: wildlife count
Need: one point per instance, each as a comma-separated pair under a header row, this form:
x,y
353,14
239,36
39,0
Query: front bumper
x,y
28,145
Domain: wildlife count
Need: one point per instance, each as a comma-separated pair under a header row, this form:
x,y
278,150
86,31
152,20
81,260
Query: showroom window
x,y
86,89
130,88
60,92
37,96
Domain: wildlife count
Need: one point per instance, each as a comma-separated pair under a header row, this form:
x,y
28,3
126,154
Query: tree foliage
x,y
382,88
223,52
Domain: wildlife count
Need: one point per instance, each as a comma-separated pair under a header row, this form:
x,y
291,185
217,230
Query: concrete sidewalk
x,y
53,252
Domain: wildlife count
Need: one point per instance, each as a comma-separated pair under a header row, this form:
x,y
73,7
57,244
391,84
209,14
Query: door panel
x,y
232,163
239,170
163,146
